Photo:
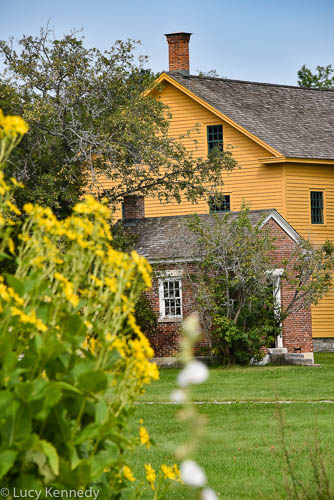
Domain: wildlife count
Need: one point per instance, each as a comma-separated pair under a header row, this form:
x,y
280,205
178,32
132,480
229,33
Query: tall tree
x,y
90,115
323,79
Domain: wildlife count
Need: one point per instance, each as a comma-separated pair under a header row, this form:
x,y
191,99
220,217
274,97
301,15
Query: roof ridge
x,y
213,78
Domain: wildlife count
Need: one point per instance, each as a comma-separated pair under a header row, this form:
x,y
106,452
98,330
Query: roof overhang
x,y
164,77
284,159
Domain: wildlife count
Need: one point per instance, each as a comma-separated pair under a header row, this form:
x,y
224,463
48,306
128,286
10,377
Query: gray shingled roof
x,y
169,237
297,122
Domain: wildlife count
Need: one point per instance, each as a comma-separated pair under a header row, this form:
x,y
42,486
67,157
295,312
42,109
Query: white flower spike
x,y
194,373
178,396
208,494
192,474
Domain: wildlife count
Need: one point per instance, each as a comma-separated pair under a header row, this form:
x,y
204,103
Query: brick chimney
x,y
178,50
133,207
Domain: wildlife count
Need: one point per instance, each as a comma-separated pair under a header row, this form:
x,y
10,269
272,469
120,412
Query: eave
x,y
222,116
284,159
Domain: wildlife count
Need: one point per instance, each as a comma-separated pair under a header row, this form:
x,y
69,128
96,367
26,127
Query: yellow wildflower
x,y
177,473
120,345
16,183
150,475
88,324
30,318
37,261
15,296
13,207
4,292
28,208
12,125
168,472
128,474
11,246
144,437
96,280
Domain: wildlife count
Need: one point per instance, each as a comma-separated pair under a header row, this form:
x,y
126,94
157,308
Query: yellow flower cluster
x,y
12,126
172,473
30,318
4,188
7,293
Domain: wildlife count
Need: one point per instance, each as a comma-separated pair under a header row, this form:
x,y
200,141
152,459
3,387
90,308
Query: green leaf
x,y
93,381
52,455
7,459
69,387
104,459
101,412
16,284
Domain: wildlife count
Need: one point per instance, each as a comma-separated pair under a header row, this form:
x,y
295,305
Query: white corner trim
x,y
283,224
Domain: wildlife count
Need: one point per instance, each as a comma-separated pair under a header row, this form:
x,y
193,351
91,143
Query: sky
x,y
256,40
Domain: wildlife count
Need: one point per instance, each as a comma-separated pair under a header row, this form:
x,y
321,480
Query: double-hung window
x,y
215,137
317,207
170,297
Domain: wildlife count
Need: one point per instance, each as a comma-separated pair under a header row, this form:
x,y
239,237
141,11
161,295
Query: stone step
x,y
294,355
278,350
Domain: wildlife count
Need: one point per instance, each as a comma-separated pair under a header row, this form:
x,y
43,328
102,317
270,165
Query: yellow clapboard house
x,y
281,136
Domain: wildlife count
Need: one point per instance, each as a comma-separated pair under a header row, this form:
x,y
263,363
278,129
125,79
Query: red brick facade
x,y
297,328
178,50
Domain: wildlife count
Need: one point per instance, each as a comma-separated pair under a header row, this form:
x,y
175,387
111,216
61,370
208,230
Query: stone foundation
x,y
325,344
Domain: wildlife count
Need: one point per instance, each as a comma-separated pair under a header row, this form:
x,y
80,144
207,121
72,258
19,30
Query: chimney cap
x,y
178,33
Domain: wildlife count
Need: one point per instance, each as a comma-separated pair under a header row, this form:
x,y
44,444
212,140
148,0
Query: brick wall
x,y
165,341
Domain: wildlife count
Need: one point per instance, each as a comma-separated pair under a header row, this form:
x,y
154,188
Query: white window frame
x,y
169,276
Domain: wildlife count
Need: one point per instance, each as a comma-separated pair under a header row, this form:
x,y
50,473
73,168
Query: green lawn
x,y
242,452
263,383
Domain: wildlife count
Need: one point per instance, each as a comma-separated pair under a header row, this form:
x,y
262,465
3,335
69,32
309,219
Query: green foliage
x,y
72,358
146,318
323,79
236,345
91,119
234,287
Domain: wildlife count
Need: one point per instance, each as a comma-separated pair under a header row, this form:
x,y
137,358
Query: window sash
x,y
215,137
317,207
170,292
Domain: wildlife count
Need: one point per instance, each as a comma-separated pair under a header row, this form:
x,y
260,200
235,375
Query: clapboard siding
x,y
300,180
258,185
